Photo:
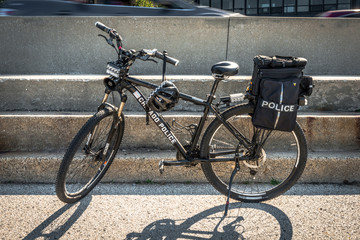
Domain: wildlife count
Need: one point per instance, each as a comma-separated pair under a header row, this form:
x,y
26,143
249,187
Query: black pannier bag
x,y
276,85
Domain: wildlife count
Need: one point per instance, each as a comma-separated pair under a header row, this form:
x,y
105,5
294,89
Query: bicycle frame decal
x,y
167,132
158,120
140,98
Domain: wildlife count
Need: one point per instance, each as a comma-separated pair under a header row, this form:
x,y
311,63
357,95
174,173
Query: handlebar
x,y
157,54
102,27
112,32
170,60
152,53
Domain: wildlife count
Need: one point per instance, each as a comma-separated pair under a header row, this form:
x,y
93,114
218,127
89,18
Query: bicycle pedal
x,y
178,163
161,166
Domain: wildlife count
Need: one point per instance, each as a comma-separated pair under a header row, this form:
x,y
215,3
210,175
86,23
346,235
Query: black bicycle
x,y
242,161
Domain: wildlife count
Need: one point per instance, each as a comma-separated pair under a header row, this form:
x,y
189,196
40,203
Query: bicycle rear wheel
x,y
89,155
280,163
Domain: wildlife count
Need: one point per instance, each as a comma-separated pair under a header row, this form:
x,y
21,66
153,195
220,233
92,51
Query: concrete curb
x,y
142,166
53,132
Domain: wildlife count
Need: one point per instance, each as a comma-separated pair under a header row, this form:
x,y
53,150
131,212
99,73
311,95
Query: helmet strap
x,y
164,65
147,114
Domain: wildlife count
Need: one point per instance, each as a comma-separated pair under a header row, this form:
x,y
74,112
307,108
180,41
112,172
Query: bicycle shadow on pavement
x,y
61,221
244,221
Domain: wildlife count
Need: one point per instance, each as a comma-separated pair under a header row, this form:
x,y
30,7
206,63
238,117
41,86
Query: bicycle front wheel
x,y
89,155
279,164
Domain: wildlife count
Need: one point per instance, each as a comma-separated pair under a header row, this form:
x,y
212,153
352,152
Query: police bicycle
x,y
241,161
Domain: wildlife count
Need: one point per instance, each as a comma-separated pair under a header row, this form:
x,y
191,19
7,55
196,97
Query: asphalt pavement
x,y
178,211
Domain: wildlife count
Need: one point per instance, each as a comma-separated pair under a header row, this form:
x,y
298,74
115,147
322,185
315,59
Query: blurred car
x,y
350,13
6,12
73,8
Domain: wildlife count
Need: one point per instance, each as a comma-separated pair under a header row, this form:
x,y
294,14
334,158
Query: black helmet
x,y
163,98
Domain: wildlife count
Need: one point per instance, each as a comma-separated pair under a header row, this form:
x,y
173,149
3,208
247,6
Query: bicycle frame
x,y
130,84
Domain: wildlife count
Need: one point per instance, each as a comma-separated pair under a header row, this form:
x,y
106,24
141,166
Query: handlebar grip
x,y
102,27
170,60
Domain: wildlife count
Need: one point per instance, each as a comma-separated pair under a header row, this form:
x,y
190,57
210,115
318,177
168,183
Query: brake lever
x,y
145,56
152,60
100,35
108,40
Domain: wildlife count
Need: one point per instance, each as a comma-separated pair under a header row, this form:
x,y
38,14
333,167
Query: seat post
x,y
211,96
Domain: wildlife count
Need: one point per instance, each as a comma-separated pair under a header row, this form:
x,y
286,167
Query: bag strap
x,y
279,61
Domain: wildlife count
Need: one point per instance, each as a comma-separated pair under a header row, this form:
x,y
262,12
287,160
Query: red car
x,y
350,13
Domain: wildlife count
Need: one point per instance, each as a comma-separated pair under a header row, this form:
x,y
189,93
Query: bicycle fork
x,y
113,127
122,103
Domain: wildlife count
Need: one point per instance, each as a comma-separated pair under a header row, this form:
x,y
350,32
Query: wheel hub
x,y
257,161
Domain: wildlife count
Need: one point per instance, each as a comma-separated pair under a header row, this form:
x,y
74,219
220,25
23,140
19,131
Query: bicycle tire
x,y
283,158
84,163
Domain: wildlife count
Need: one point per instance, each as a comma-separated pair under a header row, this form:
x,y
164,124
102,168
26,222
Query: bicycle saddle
x,y
225,68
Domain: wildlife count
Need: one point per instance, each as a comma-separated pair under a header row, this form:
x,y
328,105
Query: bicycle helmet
x,y
163,98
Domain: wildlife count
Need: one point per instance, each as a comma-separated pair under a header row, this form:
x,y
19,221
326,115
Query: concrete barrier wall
x,y
330,45
69,45
51,45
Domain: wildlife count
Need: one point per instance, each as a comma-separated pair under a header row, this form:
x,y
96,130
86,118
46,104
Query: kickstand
x,y
236,169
